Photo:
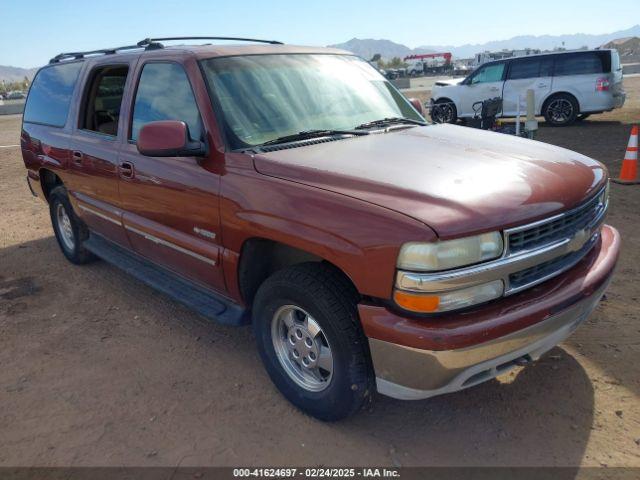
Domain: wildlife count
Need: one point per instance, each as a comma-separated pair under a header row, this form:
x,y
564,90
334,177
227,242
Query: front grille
x,y
546,270
565,226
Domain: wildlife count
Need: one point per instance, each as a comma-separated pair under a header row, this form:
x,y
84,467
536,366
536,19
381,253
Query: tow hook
x,y
524,360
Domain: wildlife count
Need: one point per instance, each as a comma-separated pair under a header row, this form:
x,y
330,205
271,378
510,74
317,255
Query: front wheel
x,y
310,340
444,111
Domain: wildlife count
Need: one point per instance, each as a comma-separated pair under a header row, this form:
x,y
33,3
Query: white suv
x,y
568,86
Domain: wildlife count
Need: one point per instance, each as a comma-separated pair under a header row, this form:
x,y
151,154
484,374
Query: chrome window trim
x,y
165,243
504,266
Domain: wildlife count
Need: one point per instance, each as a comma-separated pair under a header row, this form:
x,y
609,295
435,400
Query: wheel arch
x,y
555,94
261,257
48,181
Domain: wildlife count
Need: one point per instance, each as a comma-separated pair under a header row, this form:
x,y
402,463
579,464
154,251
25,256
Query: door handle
x,y
126,169
77,157
494,89
542,85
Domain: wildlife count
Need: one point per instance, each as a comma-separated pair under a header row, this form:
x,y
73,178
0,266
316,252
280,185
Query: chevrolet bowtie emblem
x,y
578,240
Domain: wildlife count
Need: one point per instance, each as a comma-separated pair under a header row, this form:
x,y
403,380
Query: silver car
x,y
568,86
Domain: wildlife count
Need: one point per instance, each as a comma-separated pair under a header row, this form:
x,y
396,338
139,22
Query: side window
x,y
578,64
489,73
50,94
525,68
103,99
164,93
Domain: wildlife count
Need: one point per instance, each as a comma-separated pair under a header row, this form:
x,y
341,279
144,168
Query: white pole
x,y
531,124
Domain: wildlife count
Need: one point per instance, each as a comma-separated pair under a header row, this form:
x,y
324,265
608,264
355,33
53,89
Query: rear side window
x,y
530,68
103,99
164,93
50,94
579,63
615,61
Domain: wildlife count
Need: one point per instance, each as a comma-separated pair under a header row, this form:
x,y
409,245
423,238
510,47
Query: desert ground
x,y
97,369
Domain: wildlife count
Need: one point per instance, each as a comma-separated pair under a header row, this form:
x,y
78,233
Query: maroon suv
x,y
297,189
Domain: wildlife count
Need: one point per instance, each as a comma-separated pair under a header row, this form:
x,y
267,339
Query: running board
x,y
205,302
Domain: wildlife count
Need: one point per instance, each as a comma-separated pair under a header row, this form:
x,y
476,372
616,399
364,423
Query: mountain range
x,y
366,48
16,74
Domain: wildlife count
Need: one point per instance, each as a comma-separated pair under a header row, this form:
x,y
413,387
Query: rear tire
x,y
306,315
561,110
444,111
69,230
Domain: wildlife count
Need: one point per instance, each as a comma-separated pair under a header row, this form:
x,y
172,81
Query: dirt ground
x,y
97,369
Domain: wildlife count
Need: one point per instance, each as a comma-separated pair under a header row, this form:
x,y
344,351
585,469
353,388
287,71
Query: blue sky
x,y
34,31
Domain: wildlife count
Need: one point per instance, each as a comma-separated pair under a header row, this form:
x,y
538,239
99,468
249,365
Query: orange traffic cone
x,y
629,171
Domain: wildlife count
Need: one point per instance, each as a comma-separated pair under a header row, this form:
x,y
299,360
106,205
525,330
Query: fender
x,y
360,238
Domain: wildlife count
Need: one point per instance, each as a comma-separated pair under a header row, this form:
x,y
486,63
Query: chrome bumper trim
x,y
411,374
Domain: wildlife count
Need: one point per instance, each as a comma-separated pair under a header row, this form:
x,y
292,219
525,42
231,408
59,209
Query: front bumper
x,y
421,358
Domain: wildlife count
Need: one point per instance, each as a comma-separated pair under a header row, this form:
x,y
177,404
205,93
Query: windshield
x,y
264,97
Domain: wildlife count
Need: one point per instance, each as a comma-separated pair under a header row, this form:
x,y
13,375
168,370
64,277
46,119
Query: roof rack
x,y
78,55
154,42
150,44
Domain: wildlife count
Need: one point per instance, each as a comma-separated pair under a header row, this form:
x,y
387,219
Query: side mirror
x,y
168,138
417,105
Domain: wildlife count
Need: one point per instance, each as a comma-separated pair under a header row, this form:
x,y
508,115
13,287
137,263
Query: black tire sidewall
x,y
342,396
77,254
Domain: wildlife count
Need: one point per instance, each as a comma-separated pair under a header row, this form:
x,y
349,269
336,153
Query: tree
x,y
376,58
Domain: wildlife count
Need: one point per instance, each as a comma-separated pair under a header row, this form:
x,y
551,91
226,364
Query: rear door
x,y
97,138
485,83
526,73
171,205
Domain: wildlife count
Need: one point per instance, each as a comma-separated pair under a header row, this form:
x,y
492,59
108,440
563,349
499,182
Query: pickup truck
x,y
295,189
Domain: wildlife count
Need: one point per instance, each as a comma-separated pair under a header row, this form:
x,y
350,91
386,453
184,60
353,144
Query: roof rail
x,y
104,51
154,42
149,44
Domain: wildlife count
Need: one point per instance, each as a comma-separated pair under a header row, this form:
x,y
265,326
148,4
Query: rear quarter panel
x,y
583,87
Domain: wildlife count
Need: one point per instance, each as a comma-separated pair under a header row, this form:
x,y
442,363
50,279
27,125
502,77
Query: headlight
x,y
451,300
448,254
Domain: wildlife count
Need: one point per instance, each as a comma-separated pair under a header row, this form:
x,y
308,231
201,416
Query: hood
x,y
456,180
446,83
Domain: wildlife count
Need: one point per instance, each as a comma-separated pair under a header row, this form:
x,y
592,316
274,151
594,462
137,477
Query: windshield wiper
x,y
389,121
307,134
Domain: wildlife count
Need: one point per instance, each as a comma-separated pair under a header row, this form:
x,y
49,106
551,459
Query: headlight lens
x,y
448,254
451,300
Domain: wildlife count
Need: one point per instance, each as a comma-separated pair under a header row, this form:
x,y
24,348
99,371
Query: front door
x,y
483,84
171,204
97,137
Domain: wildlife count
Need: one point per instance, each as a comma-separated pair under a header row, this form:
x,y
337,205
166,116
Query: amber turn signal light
x,y
416,302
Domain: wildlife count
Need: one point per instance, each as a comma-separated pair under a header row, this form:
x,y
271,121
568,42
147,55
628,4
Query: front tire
x,y
561,110
69,230
444,111
310,340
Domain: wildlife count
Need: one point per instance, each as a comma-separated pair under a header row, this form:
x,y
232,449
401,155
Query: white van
x,y
568,86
